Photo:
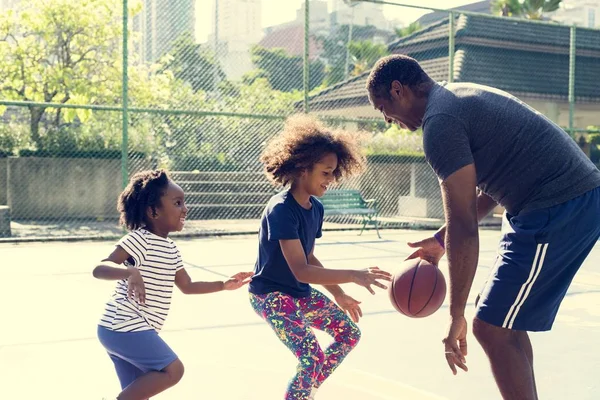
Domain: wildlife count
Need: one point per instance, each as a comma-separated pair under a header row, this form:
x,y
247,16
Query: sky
x,y
279,11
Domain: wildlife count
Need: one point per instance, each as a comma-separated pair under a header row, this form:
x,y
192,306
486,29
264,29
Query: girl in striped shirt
x,y
146,264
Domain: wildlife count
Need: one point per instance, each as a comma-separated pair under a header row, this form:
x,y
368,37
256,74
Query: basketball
x,y
418,288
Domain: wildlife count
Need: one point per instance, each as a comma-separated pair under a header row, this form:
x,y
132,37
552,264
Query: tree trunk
x,y
34,124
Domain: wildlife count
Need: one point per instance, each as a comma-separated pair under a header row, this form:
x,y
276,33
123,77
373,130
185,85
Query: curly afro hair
x,y
303,143
144,190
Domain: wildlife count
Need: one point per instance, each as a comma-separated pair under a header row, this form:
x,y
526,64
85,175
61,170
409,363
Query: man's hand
x,y
427,249
455,344
349,305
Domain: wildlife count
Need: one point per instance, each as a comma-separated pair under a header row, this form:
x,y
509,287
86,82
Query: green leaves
x,y
530,9
408,30
365,54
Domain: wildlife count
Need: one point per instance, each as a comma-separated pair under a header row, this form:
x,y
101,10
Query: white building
x,y
359,14
584,13
318,16
8,4
159,24
238,28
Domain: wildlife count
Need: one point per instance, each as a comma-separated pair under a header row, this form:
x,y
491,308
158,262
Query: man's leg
x,y
511,358
539,254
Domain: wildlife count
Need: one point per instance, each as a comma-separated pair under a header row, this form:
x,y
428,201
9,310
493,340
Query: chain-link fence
x,y
84,105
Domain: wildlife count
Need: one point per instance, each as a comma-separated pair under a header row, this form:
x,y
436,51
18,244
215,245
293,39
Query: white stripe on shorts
x,y
536,267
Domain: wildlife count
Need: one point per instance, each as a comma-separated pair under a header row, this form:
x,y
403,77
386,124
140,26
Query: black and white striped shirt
x,y
157,259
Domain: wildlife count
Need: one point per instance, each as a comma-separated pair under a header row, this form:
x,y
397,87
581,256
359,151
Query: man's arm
x,y
485,204
462,236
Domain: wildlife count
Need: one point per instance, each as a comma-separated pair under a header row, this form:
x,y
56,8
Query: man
x,y
477,137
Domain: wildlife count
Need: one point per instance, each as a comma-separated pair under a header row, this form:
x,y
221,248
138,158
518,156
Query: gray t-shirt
x,y
523,160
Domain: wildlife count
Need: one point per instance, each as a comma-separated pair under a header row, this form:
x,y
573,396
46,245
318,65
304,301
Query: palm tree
x,y
407,30
365,54
529,9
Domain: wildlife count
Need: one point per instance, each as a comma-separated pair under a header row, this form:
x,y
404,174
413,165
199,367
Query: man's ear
x,y
396,90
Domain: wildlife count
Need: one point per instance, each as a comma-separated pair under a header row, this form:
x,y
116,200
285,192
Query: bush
x,y
397,158
61,153
396,141
211,162
594,138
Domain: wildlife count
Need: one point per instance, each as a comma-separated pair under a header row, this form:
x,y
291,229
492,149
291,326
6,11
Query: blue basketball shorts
x,y
539,254
135,353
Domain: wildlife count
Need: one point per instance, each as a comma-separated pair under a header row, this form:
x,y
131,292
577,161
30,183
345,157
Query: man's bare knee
x,y
175,371
489,335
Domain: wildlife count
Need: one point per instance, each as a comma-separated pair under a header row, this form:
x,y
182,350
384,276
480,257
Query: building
x,y
530,61
291,39
358,14
584,13
159,24
318,19
239,27
8,4
482,7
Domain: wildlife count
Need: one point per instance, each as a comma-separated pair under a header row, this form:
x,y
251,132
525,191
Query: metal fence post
x,y
125,97
306,49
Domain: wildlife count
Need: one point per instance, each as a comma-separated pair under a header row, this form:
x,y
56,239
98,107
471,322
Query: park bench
x,y
347,202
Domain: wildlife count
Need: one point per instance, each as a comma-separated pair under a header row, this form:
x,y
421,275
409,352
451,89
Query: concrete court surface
x,y
51,303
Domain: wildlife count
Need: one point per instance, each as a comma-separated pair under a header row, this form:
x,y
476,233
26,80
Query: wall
x,y
387,181
64,188
53,188
3,181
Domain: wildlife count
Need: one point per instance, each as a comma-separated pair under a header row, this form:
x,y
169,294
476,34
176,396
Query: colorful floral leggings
x,y
292,319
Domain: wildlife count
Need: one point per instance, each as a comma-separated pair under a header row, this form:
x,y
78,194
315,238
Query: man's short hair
x,y
397,67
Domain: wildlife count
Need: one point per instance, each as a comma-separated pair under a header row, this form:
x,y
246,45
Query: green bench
x,y
351,202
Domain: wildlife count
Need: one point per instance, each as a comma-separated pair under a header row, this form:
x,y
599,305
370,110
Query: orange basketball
x,y
418,288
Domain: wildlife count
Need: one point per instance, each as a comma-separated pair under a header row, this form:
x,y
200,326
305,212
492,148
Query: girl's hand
x,y
372,276
135,285
349,305
238,280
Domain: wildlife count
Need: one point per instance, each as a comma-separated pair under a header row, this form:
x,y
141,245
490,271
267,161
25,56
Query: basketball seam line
x,y
430,296
411,286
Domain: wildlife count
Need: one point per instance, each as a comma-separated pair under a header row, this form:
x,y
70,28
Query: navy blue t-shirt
x,y
282,219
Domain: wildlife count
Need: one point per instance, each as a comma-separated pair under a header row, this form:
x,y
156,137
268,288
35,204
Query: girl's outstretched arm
x,y
335,290
303,271
346,303
111,267
185,284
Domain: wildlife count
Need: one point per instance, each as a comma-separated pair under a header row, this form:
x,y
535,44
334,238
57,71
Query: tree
x,y
530,9
334,49
193,63
365,54
408,30
283,71
52,54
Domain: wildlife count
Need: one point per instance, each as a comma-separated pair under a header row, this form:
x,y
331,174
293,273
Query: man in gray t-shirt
x,y
478,137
